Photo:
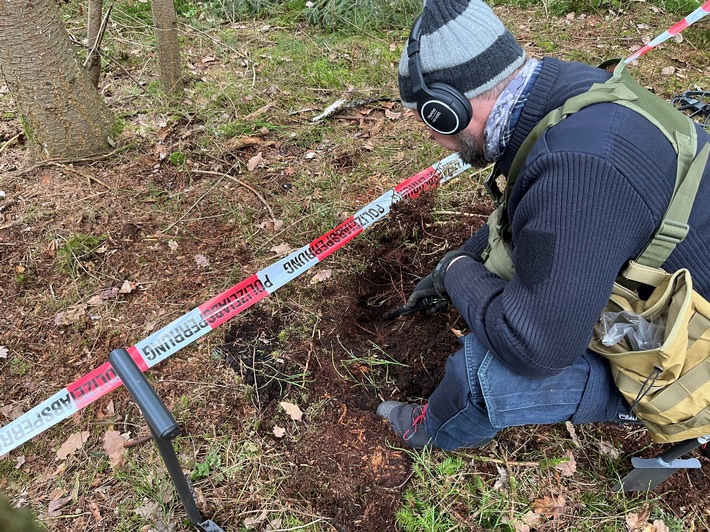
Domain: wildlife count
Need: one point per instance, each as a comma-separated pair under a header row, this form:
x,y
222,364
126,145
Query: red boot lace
x,y
416,422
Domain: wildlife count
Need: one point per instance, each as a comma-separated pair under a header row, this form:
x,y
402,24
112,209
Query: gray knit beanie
x,y
464,44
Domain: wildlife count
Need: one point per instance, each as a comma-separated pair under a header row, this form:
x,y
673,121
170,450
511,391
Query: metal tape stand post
x,y
163,428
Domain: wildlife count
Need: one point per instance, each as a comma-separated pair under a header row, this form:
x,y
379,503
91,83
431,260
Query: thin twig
x,y
137,441
242,183
194,205
507,462
454,213
90,158
90,178
99,38
10,142
112,60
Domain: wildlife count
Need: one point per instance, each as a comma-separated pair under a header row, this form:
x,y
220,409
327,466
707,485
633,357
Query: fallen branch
x,y
242,183
337,104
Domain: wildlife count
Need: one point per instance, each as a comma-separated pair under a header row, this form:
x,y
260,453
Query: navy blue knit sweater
x,y
588,199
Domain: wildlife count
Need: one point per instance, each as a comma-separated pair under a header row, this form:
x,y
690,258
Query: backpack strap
x,y
680,131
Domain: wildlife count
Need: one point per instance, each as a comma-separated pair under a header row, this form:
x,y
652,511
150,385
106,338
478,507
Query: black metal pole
x,y
163,427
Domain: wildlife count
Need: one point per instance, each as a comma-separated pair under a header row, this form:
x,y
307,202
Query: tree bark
x,y
62,113
165,20
93,41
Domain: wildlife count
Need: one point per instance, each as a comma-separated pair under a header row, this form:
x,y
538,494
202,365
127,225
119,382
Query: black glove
x,y
429,296
437,276
424,299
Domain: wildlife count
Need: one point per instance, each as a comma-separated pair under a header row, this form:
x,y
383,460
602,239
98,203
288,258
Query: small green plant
x,y
425,505
19,366
76,250
177,158
210,464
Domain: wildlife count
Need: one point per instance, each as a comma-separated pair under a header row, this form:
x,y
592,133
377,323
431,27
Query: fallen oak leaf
x,y
554,506
114,446
568,467
72,444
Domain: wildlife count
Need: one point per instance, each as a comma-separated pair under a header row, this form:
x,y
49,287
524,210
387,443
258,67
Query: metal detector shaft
x,y
650,472
163,428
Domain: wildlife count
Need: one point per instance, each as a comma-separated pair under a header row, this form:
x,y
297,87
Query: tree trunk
x,y
93,41
165,20
62,113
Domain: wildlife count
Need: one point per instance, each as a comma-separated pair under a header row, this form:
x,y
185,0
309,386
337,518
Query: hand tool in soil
x,y
163,428
423,305
650,472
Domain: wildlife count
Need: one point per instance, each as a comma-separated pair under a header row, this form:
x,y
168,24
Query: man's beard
x,y
471,149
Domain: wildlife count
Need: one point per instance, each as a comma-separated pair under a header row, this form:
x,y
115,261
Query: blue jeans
x,y
479,395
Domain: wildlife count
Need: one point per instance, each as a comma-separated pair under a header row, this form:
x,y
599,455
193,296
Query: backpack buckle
x,y
672,231
492,187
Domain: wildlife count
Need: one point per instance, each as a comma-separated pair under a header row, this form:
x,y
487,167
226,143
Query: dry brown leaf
x,y
73,442
321,276
550,506
71,315
392,115
95,511
103,296
202,261
568,468
659,526
281,249
252,522
636,521
149,510
254,162
12,412
114,446
292,410
502,479
608,450
56,504
572,433
127,287
667,71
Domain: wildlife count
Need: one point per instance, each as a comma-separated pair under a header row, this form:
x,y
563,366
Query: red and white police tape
x,y
199,321
673,30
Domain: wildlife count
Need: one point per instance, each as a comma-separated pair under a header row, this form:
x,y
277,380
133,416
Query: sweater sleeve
x,y
576,222
478,242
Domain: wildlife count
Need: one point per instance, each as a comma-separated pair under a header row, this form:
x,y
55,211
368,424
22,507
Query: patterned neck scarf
x,y
506,111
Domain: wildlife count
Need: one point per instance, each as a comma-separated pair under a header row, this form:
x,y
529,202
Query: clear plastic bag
x,y
639,333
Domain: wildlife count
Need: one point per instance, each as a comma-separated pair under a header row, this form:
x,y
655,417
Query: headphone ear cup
x,y
444,109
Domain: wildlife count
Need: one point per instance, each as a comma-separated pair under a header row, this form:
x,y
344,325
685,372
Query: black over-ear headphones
x,y
442,107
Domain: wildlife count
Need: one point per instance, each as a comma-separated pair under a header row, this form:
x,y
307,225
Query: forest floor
x,y
100,254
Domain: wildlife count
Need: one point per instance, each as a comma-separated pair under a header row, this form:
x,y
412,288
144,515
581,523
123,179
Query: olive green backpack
x,y
668,385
